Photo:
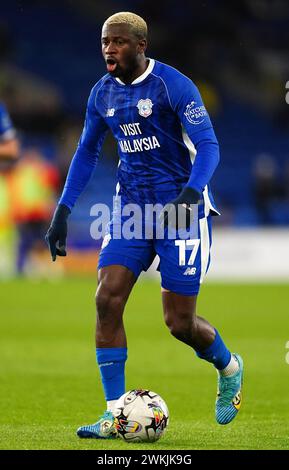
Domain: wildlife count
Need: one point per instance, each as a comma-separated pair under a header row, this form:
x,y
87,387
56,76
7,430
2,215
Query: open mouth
x,y
111,65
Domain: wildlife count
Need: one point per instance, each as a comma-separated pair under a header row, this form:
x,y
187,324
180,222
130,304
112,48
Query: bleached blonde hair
x,y
137,23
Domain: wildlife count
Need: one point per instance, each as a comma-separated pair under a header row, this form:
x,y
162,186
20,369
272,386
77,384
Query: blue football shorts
x,y
182,263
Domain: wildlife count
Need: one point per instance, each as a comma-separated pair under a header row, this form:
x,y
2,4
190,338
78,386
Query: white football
x,y
141,416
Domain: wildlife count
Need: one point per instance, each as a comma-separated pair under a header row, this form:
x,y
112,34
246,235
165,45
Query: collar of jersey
x,y
142,77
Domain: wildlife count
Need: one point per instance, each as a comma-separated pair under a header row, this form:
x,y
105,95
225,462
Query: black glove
x,y
57,232
181,207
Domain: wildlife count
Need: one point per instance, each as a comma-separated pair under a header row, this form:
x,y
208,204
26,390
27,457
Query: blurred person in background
x,y
9,153
268,188
33,189
9,144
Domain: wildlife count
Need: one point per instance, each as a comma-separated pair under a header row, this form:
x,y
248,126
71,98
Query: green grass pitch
x,y
49,383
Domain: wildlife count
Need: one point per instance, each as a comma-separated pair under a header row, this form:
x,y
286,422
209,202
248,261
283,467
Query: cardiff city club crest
x,y
145,107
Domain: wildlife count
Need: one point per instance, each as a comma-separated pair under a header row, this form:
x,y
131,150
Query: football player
x,y
168,153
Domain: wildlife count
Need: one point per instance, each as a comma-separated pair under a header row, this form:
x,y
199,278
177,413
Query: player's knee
x,y
181,324
109,300
107,304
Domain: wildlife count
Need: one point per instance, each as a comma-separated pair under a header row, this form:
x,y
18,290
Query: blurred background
x,y
238,55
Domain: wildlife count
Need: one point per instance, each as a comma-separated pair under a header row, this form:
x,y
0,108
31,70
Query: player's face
x,y
121,50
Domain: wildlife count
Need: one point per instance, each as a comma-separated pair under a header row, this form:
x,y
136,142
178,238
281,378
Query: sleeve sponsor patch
x,y
195,114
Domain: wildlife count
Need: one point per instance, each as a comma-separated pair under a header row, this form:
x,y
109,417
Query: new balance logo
x,y
110,112
190,271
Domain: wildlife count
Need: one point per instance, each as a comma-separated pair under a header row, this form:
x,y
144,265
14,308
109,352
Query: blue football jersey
x,y
6,127
156,121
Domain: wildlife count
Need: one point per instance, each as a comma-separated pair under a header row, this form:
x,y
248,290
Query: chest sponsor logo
x,y
138,144
145,107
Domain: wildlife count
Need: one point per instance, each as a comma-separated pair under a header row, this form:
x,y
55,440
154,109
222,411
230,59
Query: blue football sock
x,y
111,363
217,353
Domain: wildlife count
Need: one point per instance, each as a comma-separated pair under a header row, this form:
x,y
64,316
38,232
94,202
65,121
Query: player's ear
x,y
142,45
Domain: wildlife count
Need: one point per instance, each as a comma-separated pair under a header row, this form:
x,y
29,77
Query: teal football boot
x,y
229,396
104,428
